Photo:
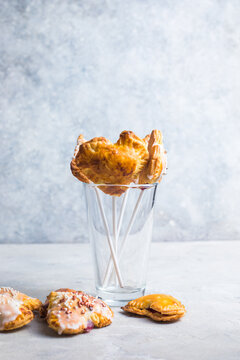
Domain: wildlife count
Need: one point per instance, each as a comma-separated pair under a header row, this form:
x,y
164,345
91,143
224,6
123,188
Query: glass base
x,y
119,296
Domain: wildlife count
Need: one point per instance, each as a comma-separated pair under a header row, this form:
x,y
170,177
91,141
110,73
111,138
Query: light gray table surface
x,y
205,276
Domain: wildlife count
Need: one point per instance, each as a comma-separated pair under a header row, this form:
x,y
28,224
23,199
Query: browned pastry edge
x,y
22,319
159,307
154,315
152,171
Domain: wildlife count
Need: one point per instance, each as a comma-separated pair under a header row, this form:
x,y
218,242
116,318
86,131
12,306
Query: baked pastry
x,y
130,160
16,309
158,307
73,312
76,171
157,161
102,162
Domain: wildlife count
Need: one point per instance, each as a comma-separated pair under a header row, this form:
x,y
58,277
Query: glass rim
x,y
124,185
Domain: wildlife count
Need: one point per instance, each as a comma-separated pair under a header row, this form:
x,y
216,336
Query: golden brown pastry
x,y
101,162
76,171
157,161
130,160
146,139
73,312
158,307
16,309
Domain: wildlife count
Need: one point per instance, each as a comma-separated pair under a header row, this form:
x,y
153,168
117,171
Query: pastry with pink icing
x,y
16,309
74,312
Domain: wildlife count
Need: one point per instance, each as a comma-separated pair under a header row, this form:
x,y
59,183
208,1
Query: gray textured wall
x,y
99,67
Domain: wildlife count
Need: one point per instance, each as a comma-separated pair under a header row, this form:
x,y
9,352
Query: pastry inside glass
x,y
120,228
130,160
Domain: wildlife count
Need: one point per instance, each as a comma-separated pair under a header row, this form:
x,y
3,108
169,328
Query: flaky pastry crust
x,y
102,162
156,164
71,312
16,309
130,160
159,307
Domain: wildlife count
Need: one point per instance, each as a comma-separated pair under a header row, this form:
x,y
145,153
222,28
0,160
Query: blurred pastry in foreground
x,y
16,309
158,307
74,312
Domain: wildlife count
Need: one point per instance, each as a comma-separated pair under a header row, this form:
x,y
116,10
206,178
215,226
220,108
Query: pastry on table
x,y
130,160
16,309
158,307
74,312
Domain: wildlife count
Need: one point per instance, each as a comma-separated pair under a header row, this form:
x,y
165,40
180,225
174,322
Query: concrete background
x,y
99,67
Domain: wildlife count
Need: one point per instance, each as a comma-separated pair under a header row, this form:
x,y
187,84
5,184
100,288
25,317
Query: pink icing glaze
x,y
90,326
74,310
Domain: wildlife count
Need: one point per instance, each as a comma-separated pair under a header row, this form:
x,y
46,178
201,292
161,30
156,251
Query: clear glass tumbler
x,y
120,219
